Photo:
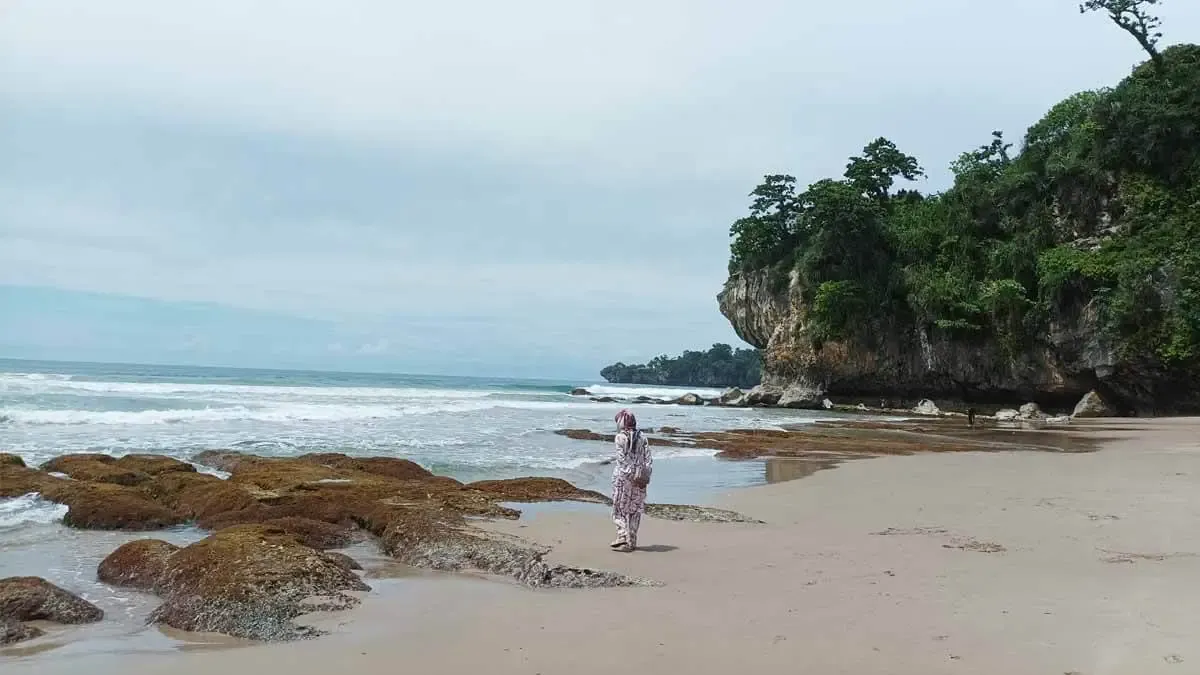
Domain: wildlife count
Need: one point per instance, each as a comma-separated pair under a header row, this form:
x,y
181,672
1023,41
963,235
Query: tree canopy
x,y
1100,205
720,366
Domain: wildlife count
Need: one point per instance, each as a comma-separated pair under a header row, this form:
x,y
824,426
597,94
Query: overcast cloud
x,y
532,187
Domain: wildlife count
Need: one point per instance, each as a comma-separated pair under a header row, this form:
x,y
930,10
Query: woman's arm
x,y
622,443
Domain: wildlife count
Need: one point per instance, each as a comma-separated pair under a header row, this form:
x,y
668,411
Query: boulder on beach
x,y
8,459
138,564
105,506
1031,411
392,467
580,391
763,395
35,599
95,468
603,399
251,581
17,480
689,399
927,407
801,397
1007,415
732,397
1092,405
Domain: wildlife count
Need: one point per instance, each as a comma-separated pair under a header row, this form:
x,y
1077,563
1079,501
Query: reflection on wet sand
x,y
781,469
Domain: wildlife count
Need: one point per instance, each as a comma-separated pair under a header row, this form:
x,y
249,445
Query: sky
x,y
527,188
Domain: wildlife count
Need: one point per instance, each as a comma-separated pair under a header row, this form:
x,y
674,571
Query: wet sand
x,y
957,562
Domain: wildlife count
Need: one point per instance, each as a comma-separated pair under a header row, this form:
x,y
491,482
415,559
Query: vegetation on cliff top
x,y
720,366
1101,203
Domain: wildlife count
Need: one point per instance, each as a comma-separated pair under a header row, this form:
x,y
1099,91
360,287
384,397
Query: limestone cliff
x,y
900,365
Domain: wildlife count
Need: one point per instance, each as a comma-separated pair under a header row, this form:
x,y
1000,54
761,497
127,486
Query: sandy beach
x,y
1005,562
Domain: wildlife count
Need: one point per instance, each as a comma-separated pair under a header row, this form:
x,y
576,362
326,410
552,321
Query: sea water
x,y
468,428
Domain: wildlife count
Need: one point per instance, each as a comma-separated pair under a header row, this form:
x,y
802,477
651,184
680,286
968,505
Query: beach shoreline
x,y
975,562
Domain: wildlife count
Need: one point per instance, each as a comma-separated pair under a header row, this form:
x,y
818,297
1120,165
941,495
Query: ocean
x,y
468,428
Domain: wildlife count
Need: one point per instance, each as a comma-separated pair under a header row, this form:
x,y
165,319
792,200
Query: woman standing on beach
x,y
631,476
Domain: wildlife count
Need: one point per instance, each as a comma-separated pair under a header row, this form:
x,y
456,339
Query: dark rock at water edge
x,y
251,581
138,564
35,599
688,399
263,564
7,459
14,631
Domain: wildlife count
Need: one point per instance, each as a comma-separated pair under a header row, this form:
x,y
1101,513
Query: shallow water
x,y
463,427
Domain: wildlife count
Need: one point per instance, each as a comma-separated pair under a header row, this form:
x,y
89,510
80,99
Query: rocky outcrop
x,y
128,470
910,363
139,564
252,582
273,519
105,506
1092,405
732,397
927,407
35,599
800,396
1030,411
17,480
763,395
7,459
538,490
442,541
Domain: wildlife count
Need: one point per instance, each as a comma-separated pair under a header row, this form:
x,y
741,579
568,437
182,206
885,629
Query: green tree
x,y
720,366
1133,17
766,232
876,169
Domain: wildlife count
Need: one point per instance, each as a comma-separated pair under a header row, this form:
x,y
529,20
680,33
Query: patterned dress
x,y
629,500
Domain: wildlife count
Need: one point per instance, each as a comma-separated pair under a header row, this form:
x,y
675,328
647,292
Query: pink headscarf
x,y
626,420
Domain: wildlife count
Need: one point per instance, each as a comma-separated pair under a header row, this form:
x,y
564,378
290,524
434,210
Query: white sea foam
x,y
633,391
63,384
269,412
29,509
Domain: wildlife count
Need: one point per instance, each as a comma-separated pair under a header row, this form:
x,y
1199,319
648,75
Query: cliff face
x,y
900,365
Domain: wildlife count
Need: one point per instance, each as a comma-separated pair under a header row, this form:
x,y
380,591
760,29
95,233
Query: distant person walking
x,y
631,476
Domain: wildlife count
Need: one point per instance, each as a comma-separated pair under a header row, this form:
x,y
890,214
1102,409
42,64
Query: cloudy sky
x,y
531,187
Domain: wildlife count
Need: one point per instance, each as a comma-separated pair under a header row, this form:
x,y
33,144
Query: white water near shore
x,y
467,428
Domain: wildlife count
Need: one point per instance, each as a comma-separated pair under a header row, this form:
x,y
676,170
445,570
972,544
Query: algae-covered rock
x,y
251,581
